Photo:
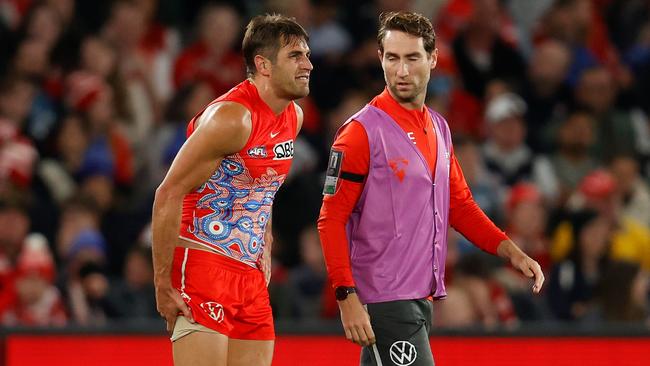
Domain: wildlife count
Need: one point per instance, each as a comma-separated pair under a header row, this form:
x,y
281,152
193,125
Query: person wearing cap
x,y
85,260
526,220
598,191
35,299
505,153
109,152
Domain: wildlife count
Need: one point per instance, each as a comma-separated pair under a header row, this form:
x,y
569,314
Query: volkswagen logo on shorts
x,y
214,310
403,353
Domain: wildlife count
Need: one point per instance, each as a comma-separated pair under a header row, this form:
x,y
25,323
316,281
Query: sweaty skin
x,y
223,129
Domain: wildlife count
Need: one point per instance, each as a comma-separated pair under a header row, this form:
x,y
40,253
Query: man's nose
x,y
403,70
307,65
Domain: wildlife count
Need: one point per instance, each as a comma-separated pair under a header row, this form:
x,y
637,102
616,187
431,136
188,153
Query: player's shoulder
x,y
226,114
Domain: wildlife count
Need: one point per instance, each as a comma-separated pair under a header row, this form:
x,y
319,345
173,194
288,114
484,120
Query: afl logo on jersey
x,y
283,150
257,152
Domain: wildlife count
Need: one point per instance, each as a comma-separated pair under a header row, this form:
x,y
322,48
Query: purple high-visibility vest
x,y
398,229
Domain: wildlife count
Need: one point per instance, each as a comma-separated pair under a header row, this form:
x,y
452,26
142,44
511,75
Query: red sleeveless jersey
x,y
230,211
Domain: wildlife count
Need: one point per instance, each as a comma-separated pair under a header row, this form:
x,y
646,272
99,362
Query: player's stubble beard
x,y
419,88
288,87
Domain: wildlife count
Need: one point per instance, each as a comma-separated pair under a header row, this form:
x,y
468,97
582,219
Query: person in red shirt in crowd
x,y
14,229
526,217
365,172
91,96
35,300
212,212
526,224
212,58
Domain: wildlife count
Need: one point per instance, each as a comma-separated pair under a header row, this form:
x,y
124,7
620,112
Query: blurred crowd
x,y
547,101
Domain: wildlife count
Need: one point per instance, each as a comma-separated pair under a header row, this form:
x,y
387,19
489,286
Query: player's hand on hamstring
x,y
522,262
169,303
356,321
265,263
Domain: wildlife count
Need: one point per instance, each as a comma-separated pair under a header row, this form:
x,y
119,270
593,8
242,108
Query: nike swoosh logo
x,y
274,134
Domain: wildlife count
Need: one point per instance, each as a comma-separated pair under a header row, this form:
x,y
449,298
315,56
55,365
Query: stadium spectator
x,y
132,296
36,301
212,57
573,280
558,174
546,92
622,294
505,153
630,186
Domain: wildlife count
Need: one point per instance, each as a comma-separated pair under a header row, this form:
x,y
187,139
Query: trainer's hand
x,y
522,262
356,321
531,269
169,304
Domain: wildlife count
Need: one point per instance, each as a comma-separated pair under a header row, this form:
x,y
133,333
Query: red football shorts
x,y
224,295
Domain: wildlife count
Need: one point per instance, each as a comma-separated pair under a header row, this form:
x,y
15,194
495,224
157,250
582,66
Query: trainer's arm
x,y
468,219
223,129
352,143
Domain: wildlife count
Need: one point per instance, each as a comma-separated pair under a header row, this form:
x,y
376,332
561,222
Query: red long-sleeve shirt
x,y
464,214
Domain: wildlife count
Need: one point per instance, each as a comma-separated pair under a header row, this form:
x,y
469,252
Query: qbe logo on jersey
x,y
283,150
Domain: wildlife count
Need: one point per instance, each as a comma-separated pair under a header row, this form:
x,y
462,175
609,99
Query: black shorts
x,y
402,332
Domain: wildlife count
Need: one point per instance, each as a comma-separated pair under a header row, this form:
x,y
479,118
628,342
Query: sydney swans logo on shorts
x,y
403,353
283,150
214,310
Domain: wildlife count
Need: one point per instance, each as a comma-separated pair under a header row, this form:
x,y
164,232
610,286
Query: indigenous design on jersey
x,y
233,210
229,213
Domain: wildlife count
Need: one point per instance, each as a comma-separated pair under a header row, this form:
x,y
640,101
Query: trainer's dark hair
x,y
408,22
266,34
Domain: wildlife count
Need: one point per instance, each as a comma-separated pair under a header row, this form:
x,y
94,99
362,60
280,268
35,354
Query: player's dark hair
x,y
266,34
408,22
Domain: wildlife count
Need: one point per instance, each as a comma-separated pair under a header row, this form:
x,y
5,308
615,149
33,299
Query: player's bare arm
x,y
223,129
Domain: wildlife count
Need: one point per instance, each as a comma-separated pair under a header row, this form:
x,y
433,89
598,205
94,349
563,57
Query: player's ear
x,y
263,65
434,58
380,54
